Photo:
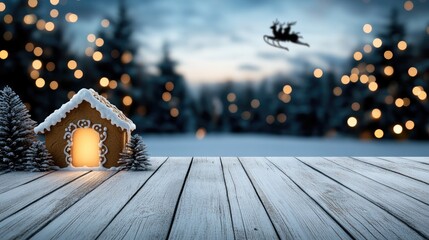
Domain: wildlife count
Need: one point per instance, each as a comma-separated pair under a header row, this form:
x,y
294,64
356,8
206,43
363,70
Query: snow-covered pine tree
x,y
38,159
16,130
134,156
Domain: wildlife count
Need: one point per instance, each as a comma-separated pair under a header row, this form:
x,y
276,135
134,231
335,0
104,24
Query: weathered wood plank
x,y
424,160
405,185
203,211
410,170
361,218
149,213
412,212
17,198
401,160
31,219
294,214
14,179
87,218
250,220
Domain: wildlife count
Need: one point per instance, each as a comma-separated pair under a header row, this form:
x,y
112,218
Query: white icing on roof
x,y
101,104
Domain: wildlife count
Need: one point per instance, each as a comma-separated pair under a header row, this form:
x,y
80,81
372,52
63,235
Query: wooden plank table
x,y
223,198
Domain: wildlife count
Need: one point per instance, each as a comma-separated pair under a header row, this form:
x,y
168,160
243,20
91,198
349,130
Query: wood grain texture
x,y
87,218
361,218
412,212
250,220
17,198
403,184
401,160
149,214
294,214
424,160
15,179
203,211
414,171
31,219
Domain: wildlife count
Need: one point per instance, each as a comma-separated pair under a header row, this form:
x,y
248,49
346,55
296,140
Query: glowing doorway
x,y
85,151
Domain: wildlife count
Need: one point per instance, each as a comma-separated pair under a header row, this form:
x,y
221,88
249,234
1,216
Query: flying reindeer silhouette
x,y
283,34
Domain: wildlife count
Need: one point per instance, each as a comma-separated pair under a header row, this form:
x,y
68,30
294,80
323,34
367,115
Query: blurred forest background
x,y
381,92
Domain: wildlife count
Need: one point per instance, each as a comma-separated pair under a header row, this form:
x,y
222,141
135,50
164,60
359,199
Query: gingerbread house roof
x,y
102,105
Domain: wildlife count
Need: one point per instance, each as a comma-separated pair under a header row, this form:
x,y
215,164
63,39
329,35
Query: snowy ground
x,y
268,145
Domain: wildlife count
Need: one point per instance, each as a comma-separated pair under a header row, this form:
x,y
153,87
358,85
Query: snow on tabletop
x,y
101,104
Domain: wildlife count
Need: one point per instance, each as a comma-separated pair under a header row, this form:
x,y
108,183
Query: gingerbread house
x,y
87,131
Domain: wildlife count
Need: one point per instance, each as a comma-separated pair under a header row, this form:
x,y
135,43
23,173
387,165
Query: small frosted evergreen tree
x,y
38,159
134,156
16,130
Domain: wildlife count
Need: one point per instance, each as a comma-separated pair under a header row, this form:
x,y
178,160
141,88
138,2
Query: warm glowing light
x,y
388,70
399,102
53,85
412,71
281,118
99,42
402,45
71,17
367,48
90,37
367,28
364,79
2,6
40,82
78,74
174,112
408,5
37,64
345,79
378,133
125,78
8,19
354,77
32,3
105,23
355,70
407,102
169,86
337,91
388,54
232,108
34,74
270,119
70,94
231,97
246,115
287,89
357,56
318,73
355,106
422,95
284,97
352,122
388,99
166,96
127,100
373,86
409,125
3,54
97,56
397,129
40,24
377,42
417,90
49,26
85,151
55,2
54,13
50,66
30,19
126,57
255,103
200,133
89,51
376,113
38,51
72,64
104,82
113,84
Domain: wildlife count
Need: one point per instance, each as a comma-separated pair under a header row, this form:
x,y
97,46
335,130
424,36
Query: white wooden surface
x,y
203,210
228,198
89,216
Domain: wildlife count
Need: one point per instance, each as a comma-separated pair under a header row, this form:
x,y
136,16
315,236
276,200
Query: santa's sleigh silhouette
x,y
283,35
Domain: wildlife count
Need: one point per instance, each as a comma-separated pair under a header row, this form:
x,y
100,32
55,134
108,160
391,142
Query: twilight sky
x,y
218,40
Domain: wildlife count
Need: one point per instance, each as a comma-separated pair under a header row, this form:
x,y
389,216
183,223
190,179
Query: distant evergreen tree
x,y
38,159
16,130
134,156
